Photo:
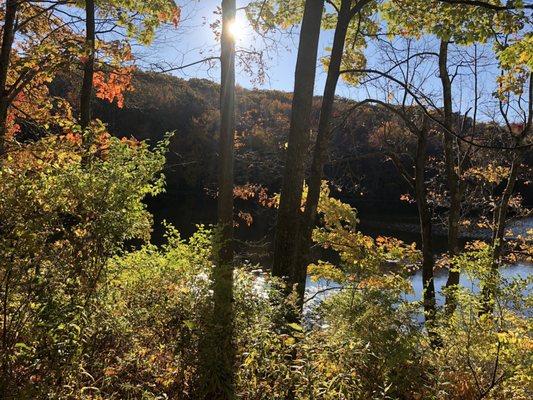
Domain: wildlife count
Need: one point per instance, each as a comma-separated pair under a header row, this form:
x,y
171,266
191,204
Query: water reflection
x,y
321,289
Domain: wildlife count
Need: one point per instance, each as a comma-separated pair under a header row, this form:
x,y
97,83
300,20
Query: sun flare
x,y
236,28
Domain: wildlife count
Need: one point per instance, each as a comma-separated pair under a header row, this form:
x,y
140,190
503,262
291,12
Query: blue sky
x,y
195,40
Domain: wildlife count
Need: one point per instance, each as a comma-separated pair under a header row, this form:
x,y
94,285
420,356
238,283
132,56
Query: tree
x,y
418,183
8,36
519,134
138,20
221,346
521,143
86,92
346,16
453,161
40,39
404,140
402,70
466,23
290,255
35,44
288,219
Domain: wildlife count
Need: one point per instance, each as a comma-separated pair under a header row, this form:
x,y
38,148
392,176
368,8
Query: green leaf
x,y
296,327
23,346
189,324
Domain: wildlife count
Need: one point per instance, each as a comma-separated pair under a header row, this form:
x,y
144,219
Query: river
x,y
187,209
516,271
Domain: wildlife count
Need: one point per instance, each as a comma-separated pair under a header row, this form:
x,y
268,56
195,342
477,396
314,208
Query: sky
x,y
194,40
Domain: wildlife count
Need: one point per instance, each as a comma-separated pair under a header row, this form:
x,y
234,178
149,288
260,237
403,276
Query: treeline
x,y
161,103
358,162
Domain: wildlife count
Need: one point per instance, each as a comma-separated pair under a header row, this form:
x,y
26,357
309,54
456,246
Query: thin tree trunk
x,y
452,176
501,210
500,213
418,184
223,352
322,143
227,128
289,215
86,93
424,213
8,36
498,235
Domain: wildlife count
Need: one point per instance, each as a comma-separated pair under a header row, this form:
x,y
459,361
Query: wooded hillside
x,y
162,103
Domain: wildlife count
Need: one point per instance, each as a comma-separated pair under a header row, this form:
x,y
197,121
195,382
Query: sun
x,y
236,28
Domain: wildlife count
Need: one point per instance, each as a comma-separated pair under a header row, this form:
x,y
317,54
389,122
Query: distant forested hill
x,y
162,103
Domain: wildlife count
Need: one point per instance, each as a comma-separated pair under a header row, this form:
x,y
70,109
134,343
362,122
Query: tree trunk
x,y
452,176
8,36
418,183
501,210
86,93
288,220
424,213
500,213
498,235
321,145
223,352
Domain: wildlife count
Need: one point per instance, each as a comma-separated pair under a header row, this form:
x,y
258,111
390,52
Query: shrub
x,y
65,210
85,317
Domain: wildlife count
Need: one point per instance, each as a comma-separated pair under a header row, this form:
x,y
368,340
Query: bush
x,y
65,210
147,338
84,317
486,353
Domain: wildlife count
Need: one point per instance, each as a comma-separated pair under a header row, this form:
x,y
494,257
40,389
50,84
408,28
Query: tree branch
x,y
430,116
179,68
483,4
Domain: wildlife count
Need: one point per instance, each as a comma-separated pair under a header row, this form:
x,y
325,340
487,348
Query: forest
x,y
332,200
